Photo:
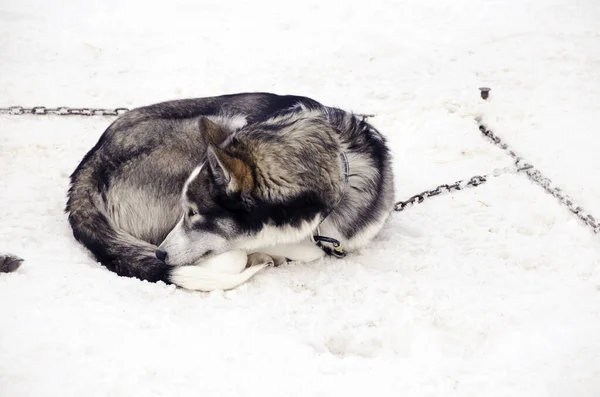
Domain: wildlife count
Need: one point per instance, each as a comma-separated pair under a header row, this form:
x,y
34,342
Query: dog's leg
x,y
279,260
221,272
305,251
259,258
231,262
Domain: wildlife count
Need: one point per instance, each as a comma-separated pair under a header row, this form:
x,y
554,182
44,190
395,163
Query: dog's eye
x,y
192,212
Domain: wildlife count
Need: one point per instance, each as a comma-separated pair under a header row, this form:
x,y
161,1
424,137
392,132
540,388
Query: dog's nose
x,y
161,254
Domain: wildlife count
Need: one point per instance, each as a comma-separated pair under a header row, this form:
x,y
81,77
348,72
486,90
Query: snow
x,y
491,291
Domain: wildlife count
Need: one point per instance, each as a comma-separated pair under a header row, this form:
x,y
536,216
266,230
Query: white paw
x,y
231,262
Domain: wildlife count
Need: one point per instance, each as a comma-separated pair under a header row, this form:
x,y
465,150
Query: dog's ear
x,y
228,170
219,172
211,132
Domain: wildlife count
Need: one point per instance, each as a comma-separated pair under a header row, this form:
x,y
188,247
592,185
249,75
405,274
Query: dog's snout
x,y
161,254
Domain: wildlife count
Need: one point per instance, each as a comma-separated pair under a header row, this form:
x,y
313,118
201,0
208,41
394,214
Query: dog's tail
x,y
92,226
125,254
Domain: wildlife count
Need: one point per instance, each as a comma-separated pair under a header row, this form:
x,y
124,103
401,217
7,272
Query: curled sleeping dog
x,y
204,193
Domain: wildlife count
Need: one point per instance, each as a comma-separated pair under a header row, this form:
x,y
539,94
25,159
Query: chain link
x,y
61,111
458,185
445,188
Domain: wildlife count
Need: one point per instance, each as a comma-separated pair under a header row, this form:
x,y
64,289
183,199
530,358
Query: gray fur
x,y
273,178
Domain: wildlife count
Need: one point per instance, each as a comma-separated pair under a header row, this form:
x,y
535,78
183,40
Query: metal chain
x,y
445,188
537,177
458,185
69,111
61,111
520,165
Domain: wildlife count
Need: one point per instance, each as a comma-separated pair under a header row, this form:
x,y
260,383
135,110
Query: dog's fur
x,y
199,177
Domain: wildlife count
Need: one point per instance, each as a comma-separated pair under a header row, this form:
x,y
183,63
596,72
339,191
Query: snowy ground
x,y
493,291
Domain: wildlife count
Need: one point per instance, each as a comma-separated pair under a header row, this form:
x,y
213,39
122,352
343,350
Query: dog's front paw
x,y
9,263
258,258
279,260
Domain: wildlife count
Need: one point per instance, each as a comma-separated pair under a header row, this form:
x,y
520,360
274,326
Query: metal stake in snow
x,y
485,92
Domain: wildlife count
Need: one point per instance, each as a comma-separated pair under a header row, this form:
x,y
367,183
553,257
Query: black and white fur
x,y
174,185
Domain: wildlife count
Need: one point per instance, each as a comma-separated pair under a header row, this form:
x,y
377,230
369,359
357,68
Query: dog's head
x,y
268,183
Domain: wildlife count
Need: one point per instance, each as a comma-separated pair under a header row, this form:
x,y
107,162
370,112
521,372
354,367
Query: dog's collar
x,y
334,248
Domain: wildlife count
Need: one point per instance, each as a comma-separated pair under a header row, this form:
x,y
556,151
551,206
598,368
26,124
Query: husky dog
x,y
173,184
